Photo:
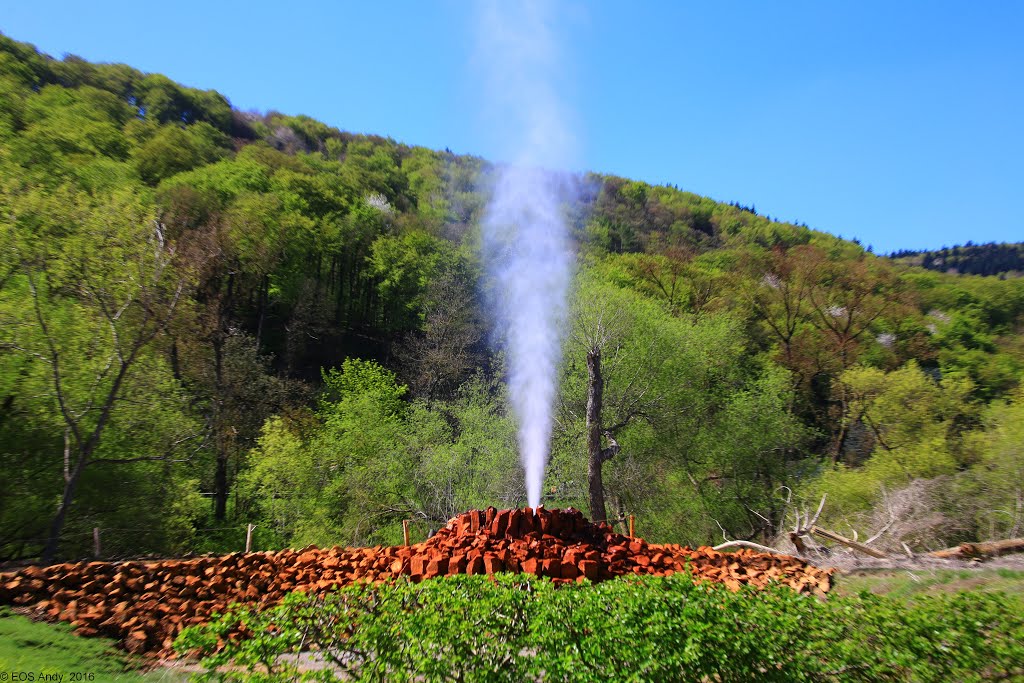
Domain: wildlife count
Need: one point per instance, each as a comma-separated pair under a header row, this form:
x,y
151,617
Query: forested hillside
x,y
210,318
1003,260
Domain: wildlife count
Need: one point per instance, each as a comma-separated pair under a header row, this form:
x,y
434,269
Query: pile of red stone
x,y
145,604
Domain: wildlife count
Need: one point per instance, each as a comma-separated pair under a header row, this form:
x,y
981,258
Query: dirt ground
x,y
850,563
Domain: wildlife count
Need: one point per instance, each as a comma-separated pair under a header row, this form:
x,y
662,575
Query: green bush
x,y
514,628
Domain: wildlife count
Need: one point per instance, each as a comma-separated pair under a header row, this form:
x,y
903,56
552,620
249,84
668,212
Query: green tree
x,y
998,474
96,299
174,149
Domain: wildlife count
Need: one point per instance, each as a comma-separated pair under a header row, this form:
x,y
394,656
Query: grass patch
x,y
43,649
902,583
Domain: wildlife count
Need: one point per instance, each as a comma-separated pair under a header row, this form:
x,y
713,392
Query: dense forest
x,y
1003,260
211,318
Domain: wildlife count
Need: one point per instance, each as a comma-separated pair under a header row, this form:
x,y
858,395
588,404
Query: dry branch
x,y
748,544
833,536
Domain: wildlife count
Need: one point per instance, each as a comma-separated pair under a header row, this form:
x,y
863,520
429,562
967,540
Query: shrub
x,y
516,628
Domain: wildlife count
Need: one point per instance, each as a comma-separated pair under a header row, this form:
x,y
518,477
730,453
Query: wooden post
x,y
96,542
248,537
405,531
632,533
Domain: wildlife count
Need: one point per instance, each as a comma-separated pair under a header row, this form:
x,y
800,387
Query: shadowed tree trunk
x,y
596,456
595,389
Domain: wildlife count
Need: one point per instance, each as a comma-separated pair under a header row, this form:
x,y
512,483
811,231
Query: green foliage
x,y
369,459
161,99
173,149
998,475
514,628
359,379
404,266
318,485
908,427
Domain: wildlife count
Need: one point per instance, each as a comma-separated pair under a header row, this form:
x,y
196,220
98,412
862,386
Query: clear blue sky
x,y
898,123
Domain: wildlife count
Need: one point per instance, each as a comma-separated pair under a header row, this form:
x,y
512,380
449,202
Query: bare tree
x,y
435,361
620,379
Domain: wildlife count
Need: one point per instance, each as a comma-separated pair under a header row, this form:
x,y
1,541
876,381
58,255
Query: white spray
x,y
525,241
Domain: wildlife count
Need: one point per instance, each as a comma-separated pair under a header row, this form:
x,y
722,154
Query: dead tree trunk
x,y
220,475
595,390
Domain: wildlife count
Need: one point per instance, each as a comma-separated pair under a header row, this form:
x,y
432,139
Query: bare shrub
x,y
917,518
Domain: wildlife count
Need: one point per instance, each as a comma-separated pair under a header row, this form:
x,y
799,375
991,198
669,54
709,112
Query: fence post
x,y
631,528
96,542
405,531
248,537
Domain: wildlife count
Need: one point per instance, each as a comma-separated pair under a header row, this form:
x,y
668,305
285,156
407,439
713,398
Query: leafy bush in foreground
x,y
513,628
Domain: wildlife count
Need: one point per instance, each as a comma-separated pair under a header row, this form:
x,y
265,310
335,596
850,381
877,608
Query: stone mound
x,y
144,605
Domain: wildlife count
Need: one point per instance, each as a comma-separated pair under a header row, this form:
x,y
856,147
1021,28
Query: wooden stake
x,y
96,542
248,537
405,531
631,529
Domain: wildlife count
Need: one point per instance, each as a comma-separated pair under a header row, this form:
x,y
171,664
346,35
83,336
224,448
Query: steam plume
x,y
525,241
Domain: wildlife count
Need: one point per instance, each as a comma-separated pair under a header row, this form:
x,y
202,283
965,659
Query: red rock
x,y
555,524
500,525
492,565
527,522
514,524
437,567
457,564
543,521
552,568
589,569
529,566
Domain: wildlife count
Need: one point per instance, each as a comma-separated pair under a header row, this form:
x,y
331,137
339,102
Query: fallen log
x,y
979,551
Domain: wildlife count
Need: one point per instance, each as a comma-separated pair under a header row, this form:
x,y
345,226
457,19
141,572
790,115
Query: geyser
x,y
530,263
525,242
